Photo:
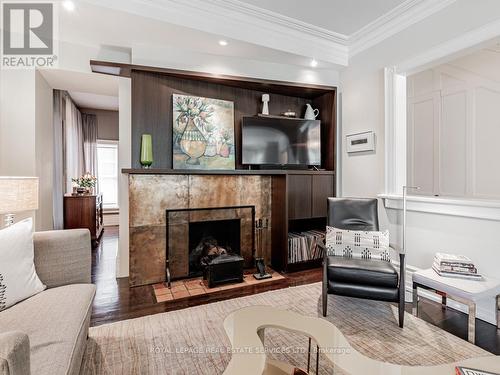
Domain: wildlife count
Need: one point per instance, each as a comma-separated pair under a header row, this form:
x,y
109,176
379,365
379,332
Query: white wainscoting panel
x,y
452,144
486,142
454,132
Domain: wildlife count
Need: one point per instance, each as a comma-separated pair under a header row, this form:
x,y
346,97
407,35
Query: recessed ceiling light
x,y
223,42
314,63
68,5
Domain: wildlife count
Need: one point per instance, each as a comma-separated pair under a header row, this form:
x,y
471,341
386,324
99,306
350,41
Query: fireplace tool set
x,y
261,229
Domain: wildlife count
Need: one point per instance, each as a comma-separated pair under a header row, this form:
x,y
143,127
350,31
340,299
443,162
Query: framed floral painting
x,y
203,133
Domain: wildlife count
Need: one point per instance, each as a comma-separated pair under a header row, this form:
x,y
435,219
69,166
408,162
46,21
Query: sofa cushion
x,y
362,271
56,321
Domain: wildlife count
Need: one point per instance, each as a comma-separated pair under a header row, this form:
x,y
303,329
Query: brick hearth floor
x,y
197,286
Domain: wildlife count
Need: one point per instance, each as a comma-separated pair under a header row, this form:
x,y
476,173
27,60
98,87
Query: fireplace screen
x,y
197,236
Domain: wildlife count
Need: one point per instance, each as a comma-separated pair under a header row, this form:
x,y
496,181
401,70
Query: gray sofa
x,y
47,333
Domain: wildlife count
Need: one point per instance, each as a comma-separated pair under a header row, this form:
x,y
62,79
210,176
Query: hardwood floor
x,y
115,300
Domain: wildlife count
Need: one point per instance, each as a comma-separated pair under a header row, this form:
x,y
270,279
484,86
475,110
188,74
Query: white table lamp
x,y
17,194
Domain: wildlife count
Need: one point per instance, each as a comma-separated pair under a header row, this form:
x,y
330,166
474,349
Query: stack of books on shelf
x,y
450,265
303,246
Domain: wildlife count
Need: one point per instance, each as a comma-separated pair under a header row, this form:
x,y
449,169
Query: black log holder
x,y
261,226
227,268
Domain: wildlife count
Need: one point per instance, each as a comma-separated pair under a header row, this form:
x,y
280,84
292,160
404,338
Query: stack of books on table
x,y
304,246
451,265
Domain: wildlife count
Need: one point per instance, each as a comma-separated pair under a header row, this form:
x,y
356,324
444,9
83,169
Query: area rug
x,y
192,341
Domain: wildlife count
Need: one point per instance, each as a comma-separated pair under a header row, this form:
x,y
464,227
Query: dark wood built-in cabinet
x,y
299,196
307,195
299,204
323,186
84,211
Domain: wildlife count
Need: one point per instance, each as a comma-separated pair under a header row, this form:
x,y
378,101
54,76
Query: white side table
x,y
464,291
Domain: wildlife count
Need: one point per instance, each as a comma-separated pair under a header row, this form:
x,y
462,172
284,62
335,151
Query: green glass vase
x,y
146,151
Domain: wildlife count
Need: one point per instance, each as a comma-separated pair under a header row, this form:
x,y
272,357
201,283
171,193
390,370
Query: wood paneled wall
x,y
152,111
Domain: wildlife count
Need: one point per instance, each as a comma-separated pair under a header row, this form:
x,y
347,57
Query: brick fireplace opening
x,y
192,234
210,239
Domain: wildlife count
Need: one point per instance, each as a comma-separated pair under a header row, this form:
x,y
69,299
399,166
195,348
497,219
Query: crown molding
x,y
472,40
242,21
277,18
392,22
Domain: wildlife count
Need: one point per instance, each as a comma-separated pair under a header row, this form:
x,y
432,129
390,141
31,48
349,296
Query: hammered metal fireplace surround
x,y
229,229
152,194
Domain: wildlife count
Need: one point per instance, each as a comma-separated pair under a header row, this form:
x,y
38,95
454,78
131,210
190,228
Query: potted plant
x,y
84,184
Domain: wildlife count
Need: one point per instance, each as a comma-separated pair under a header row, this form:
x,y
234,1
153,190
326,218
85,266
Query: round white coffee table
x,y
245,329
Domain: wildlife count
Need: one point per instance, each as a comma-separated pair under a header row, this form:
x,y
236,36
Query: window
x,y
107,172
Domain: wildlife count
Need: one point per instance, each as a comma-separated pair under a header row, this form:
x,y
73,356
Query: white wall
x,y
26,136
124,161
44,151
107,123
363,109
176,58
17,133
17,116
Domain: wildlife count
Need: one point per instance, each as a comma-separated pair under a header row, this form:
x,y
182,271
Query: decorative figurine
x,y
265,104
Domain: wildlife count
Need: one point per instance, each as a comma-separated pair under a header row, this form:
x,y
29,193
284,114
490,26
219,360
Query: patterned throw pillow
x,y
358,244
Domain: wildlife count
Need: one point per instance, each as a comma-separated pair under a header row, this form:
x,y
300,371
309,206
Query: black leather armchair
x,y
361,278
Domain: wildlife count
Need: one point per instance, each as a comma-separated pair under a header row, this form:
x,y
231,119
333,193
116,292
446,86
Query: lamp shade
x,y
18,194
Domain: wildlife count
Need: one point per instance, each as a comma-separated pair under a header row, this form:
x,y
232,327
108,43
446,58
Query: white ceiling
x,y
88,90
94,101
131,30
288,32
81,82
340,16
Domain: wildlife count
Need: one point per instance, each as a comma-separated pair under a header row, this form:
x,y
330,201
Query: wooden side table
x,y
84,211
467,292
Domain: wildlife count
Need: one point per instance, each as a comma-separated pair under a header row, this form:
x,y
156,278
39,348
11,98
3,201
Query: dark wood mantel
x,y
237,172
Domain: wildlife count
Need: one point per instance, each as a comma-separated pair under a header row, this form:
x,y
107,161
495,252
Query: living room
x,y
249,187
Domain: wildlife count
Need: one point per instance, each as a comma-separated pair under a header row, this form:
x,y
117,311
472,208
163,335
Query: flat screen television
x,y
275,141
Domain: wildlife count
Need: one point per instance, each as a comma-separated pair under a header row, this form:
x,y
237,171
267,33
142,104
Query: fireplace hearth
x,y
197,238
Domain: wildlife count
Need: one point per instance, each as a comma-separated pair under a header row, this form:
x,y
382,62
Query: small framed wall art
x,y
360,142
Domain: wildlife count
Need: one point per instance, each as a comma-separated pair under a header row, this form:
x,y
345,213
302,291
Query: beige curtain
x,y
89,130
75,148
58,175
73,143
